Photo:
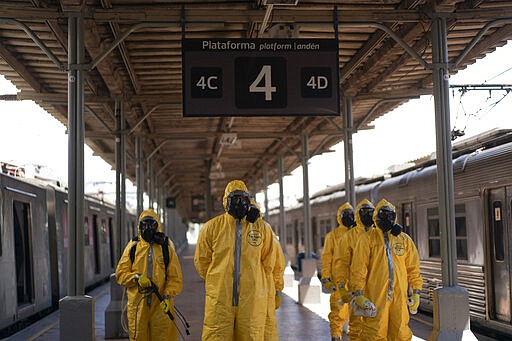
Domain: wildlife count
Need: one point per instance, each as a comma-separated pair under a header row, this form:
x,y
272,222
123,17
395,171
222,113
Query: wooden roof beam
x,y
13,61
225,14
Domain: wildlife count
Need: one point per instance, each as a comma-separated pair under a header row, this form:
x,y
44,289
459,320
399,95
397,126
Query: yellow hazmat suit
x,y
148,323
236,286
339,314
276,285
384,280
343,259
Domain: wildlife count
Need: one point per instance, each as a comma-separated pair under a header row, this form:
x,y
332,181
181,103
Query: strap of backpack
x,y
135,240
165,252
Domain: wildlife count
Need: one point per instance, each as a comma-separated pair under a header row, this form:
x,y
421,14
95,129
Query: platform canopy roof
x,y
144,72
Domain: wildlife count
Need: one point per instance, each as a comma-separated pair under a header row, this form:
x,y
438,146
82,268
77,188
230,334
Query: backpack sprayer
x,y
153,289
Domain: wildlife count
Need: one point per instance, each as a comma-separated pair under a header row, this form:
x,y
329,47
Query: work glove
x,y
143,281
362,301
328,284
278,299
165,305
414,303
344,295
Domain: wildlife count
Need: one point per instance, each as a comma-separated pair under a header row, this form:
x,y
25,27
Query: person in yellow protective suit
x,y
276,285
384,264
147,317
234,254
339,314
343,259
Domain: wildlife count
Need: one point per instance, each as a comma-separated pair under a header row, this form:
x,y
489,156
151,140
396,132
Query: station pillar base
x,y
77,318
288,276
452,321
309,284
113,312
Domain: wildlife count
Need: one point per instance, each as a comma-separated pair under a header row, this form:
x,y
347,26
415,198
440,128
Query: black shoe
x,y
336,338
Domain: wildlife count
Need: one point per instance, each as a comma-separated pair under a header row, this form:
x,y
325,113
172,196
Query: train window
x,y
0,241
434,234
499,240
96,239
111,242
325,227
103,231
22,252
86,231
301,232
460,232
289,234
434,240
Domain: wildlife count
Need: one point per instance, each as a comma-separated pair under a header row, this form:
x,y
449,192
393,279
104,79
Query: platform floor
x,y
295,321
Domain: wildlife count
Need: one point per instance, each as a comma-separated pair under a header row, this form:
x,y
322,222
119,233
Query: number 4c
x,y
204,82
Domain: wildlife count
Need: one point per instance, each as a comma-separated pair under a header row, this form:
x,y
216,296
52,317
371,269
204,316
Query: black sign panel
x,y
260,77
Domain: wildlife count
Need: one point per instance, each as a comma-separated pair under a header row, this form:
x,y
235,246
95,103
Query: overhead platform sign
x,y
260,77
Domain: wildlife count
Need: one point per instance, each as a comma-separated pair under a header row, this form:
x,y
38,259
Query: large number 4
x,y
268,89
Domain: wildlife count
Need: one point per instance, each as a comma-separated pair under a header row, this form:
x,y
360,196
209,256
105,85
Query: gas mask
x,y
253,214
366,215
238,203
149,229
347,218
385,220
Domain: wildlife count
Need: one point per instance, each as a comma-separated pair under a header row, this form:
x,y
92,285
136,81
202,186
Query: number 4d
x,y
318,82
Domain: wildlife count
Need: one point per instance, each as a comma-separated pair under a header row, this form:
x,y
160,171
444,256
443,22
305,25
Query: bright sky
x,y
28,135
31,136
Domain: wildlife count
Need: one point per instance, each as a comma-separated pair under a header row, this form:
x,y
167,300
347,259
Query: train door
x,y
22,251
296,237
315,234
406,219
111,242
500,201
96,238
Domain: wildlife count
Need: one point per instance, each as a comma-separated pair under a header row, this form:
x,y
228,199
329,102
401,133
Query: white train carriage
x,y
483,222
25,284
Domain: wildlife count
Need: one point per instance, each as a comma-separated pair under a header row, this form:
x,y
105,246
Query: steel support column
x,y
120,177
76,309
305,190
282,220
309,285
265,190
208,188
113,312
76,133
444,152
149,182
350,193
139,173
452,321
289,274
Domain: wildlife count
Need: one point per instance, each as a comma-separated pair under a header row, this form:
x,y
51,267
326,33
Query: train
x,y
482,171
34,246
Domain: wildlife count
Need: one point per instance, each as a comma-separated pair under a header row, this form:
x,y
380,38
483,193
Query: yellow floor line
x,y
41,332
418,319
